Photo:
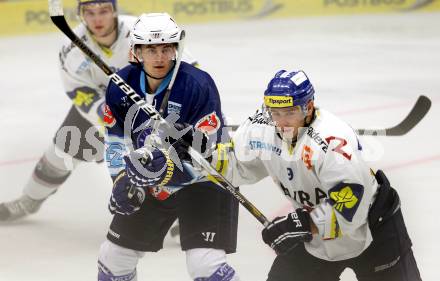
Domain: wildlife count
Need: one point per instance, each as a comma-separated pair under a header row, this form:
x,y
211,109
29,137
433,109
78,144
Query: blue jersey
x,y
194,98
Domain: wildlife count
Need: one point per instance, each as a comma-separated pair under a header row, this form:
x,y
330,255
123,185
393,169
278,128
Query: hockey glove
x,y
285,233
156,168
125,199
194,138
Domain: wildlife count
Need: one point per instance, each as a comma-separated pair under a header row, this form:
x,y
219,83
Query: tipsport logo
x,y
278,101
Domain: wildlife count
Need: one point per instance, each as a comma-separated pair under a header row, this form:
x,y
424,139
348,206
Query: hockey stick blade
x,y
57,17
419,110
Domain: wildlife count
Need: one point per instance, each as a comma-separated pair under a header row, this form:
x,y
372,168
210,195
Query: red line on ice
x,y
18,161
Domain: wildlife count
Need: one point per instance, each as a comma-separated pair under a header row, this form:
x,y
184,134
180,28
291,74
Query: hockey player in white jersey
x,y
345,214
78,139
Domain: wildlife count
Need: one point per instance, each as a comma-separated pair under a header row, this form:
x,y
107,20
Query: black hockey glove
x,y
157,168
194,138
285,233
125,199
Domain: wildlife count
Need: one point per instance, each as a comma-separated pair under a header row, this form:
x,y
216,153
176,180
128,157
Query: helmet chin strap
x,y
307,124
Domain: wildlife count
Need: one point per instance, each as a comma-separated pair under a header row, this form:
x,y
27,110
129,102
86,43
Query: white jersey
x,y
323,172
84,82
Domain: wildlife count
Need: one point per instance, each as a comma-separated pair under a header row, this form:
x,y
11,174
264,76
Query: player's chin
x,y
98,32
287,132
160,71
101,32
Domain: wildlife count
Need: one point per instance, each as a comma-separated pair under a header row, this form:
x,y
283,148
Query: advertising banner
x,y
31,16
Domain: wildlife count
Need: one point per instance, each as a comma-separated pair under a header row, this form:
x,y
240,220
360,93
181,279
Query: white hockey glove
x,y
285,233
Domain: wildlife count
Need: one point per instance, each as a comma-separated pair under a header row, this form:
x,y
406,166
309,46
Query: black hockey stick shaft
x,y
419,110
57,16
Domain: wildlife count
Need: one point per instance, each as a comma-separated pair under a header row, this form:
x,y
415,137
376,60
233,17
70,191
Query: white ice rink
x,y
368,69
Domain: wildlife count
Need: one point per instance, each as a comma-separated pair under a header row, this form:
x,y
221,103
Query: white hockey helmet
x,y
155,28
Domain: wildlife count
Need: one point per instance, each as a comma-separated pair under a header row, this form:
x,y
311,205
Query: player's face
x,y
158,59
288,120
99,18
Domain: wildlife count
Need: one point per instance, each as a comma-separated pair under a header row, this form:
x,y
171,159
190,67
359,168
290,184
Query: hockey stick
x,y
57,16
419,110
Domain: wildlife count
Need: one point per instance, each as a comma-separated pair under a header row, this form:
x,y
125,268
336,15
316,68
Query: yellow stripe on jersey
x,y
335,230
291,148
224,148
107,51
170,169
222,163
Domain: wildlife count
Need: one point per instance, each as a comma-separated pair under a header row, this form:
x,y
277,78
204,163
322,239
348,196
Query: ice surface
x,y
368,69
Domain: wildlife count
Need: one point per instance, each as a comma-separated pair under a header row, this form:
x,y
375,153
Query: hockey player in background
x,y
107,34
345,215
207,215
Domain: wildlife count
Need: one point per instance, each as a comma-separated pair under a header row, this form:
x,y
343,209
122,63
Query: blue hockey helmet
x,y
87,2
289,89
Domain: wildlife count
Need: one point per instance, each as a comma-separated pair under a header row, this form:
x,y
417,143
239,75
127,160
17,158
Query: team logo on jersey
x,y
209,123
109,119
84,98
307,156
174,107
345,198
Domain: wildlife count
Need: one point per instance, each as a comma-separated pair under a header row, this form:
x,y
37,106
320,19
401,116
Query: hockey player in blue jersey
x,y
207,214
106,33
